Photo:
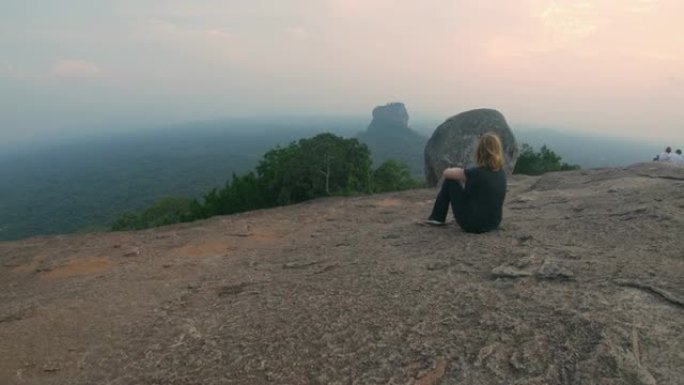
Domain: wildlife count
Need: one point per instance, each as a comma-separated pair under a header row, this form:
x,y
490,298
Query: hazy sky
x,y
605,66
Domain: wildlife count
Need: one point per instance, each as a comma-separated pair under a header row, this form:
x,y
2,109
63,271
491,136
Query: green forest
x,y
84,185
324,165
198,170
531,162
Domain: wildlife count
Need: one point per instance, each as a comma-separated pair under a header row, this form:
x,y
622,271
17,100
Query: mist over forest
x,y
81,185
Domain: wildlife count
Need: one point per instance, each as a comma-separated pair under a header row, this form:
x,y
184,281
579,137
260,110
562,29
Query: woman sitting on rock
x,y
476,194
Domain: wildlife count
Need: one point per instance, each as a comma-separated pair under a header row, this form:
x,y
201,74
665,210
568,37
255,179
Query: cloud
x,y
207,42
176,30
359,7
642,6
577,19
7,70
76,68
298,33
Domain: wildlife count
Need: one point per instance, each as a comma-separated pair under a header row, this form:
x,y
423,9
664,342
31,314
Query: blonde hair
x,y
489,152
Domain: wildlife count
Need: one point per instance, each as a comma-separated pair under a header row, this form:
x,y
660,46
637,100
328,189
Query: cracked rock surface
x,y
581,285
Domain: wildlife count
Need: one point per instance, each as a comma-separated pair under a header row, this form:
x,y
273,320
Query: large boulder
x,y
454,142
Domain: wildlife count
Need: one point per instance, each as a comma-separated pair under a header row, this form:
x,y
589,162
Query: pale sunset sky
x,y
611,67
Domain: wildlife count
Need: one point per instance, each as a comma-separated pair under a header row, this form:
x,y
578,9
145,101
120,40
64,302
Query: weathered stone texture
x,y
454,142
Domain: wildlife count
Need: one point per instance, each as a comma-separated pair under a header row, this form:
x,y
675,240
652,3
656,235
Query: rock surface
x,y
454,142
581,285
388,136
391,115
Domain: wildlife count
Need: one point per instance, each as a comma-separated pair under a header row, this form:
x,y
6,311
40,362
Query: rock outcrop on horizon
x,y
388,136
581,285
392,117
454,142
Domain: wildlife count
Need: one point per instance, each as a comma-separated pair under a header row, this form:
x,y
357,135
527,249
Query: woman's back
x,y
478,206
485,190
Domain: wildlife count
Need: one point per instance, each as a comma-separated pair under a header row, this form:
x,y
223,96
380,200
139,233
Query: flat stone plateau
x,y
583,284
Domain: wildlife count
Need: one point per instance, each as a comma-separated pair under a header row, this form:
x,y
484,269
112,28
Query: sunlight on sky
x,y
575,19
608,66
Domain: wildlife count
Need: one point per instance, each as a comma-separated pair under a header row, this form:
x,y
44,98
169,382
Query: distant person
x,y
664,156
676,158
476,195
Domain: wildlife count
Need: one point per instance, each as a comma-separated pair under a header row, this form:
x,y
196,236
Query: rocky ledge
x,y
582,285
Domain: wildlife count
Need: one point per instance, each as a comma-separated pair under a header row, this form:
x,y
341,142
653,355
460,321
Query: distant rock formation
x,y
389,137
390,116
454,142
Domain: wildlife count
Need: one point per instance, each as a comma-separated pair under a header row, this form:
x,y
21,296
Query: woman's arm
x,y
454,173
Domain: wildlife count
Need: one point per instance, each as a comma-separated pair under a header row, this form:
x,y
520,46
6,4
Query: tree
x,y
536,163
320,166
242,193
323,165
128,221
166,211
163,212
393,175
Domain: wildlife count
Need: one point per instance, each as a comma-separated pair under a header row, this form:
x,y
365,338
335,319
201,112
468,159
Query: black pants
x,y
452,192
